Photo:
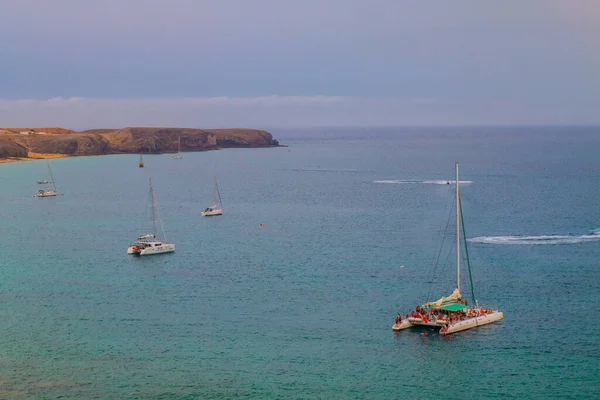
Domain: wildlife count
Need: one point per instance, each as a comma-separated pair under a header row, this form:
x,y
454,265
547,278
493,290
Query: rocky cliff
x,y
18,142
9,149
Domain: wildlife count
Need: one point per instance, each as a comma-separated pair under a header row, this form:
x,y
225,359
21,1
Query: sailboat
x,y
50,191
141,163
178,156
451,314
148,244
217,208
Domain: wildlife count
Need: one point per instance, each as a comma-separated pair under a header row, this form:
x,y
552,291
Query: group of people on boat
x,y
450,317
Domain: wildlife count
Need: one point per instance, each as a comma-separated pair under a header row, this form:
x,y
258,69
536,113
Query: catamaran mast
x,y
457,227
153,208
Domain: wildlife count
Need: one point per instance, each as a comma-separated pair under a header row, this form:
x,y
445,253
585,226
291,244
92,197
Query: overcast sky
x,y
269,63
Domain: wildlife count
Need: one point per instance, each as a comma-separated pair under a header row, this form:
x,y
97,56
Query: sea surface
x,y
357,226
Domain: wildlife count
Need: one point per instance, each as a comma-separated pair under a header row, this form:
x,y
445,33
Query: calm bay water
x,y
303,307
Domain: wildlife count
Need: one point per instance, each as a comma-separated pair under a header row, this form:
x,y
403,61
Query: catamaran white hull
x,y
473,323
165,248
414,322
133,250
402,325
212,213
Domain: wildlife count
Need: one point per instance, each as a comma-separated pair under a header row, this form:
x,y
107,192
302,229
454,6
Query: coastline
x,y
24,144
31,156
39,156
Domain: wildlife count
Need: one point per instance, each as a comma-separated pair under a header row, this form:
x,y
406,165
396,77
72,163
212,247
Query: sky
x,y
287,63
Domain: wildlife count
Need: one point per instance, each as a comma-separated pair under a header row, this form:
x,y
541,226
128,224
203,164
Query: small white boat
x,y
451,314
147,245
217,208
178,156
141,162
50,191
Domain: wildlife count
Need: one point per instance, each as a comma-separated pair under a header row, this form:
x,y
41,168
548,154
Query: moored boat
x,y
178,156
217,208
148,244
50,191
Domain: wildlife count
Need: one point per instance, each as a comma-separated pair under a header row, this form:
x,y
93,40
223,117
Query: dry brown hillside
x,y
127,140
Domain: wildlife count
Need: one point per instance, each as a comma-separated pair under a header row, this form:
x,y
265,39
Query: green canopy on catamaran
x,y
453,307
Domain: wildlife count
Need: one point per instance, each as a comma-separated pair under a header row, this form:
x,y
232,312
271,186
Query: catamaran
x,y
148,244
217,208
451,314
178,156
50,191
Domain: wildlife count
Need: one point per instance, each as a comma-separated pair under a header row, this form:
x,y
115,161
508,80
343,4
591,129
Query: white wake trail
x,y
537,240
427,182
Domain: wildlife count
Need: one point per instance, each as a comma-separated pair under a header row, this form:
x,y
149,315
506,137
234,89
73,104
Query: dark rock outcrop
x,y
9,148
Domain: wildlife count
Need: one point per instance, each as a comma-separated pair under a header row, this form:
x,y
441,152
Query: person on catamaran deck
x,y
399,318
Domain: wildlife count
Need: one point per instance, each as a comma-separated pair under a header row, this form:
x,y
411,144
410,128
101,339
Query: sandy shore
x,y
31,156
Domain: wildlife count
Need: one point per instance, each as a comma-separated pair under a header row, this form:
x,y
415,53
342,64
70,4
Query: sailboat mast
x,y
457,227
50,177
153,208
216,193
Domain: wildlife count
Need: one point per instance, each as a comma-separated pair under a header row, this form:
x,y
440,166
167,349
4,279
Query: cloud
x,y
222,111
282,111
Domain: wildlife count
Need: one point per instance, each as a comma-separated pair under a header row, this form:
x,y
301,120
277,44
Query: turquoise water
x,y
303,307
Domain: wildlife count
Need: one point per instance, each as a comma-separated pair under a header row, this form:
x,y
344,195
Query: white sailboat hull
x,y
474,322
212,212
47,193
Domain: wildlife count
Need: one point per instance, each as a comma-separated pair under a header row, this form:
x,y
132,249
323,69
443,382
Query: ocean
x,y
352,233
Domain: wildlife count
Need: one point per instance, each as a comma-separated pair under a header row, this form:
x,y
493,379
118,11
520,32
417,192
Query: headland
x,y
17,144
